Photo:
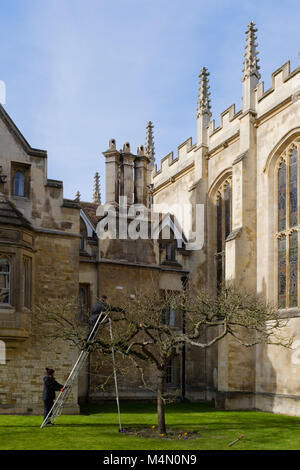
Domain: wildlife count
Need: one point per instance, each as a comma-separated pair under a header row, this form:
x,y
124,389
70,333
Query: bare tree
x,y
144,333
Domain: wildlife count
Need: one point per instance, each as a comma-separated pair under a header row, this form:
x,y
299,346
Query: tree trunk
x,y
160,403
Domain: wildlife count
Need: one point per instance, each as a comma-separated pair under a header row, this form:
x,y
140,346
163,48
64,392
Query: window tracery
x,y
287,232
223,215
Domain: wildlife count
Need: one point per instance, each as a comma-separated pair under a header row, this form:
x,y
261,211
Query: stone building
x,y
49,250
39,258
244,173
119,265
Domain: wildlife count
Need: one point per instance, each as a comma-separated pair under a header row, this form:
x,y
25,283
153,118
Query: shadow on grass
x,y
188,426
57,426
205,418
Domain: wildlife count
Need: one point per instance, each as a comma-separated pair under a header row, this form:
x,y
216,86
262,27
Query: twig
x,y
238,439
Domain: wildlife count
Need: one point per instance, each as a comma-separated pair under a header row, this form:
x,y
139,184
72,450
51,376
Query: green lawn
x,y
99,429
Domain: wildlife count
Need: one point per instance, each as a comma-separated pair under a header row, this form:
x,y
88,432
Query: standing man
x,y
50,387
101,306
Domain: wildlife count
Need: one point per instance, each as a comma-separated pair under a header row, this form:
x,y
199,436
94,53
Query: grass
x,y
98,430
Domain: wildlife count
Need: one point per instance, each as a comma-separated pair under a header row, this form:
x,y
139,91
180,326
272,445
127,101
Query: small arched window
x,y
4,281
19,184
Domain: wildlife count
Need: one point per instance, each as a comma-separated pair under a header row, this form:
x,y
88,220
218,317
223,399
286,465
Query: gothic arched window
x,y
223,205
287,228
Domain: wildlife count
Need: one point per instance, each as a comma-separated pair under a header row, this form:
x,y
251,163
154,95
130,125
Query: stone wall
x,y
55,276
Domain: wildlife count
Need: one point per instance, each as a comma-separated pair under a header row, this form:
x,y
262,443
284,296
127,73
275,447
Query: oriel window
x,y
5,278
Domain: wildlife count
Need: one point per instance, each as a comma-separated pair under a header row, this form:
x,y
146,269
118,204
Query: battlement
x,y
284,84
280,76
170,165
226,117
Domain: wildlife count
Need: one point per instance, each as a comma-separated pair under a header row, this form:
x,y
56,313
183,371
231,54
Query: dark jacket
x,y
101,307
50,387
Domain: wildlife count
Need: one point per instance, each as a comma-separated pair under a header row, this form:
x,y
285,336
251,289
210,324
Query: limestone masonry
x,y
245,173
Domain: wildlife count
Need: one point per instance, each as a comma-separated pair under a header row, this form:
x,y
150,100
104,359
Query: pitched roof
x,y
9,214
90,209
19,136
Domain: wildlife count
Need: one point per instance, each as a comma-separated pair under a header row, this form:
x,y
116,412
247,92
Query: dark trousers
x,y
91,326
47,407
90,331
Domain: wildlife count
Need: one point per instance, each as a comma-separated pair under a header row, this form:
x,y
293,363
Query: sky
x,y
80,72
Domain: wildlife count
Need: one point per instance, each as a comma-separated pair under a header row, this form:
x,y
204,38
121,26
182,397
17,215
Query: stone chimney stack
x,y
251,75
112,164
203,108
141,163
126,170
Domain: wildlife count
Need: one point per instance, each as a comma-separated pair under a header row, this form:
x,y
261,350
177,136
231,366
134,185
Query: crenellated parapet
x,y
226,118
285,85
228,128
170,165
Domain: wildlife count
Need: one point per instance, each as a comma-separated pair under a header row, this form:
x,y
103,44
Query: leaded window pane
x,y
170,372
4,281
172,316
219,270
282,197
227,210
293,263
223,220
282,272
219,224
293,189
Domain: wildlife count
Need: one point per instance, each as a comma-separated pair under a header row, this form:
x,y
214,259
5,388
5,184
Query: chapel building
x,y
240,180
